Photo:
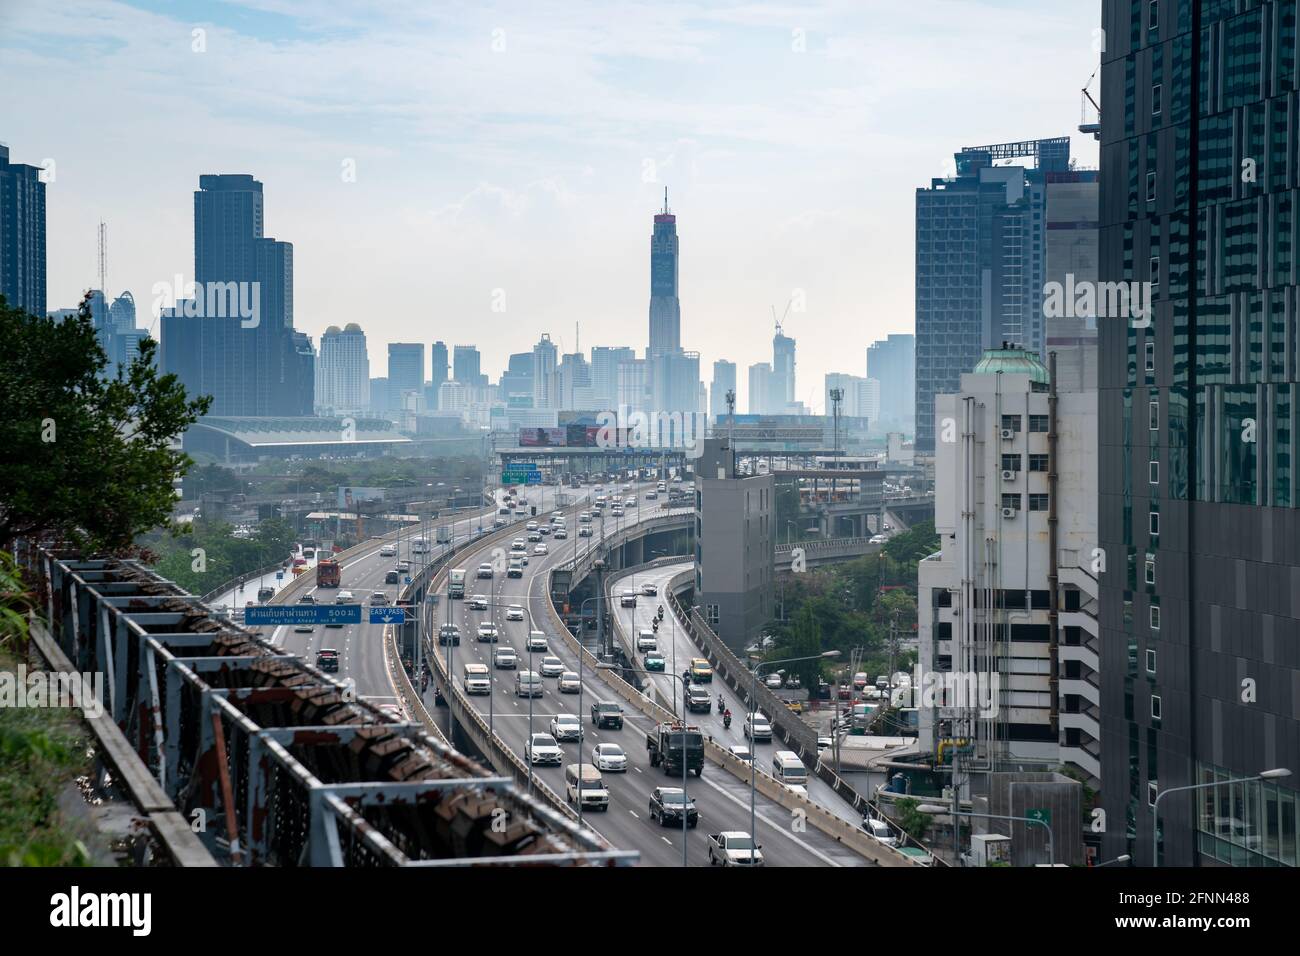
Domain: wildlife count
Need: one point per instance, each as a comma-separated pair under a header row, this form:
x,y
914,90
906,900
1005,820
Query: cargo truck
x,y
456,583
327,573
670,743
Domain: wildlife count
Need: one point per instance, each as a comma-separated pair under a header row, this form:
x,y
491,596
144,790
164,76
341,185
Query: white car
x,y
646,641
304,628
551,666
487,633
537,642
761,729
343,597
519,544
534,536
540,549
824,742
585,531
505,658
514,613
609,757
569,683
388,551
478,602
561,534
542,748
566,727
649,589
773,681
741,752
378,597
584,518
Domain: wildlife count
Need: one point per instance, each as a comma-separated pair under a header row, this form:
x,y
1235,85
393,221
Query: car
x,y
392,712
499,523
880,831
514,613
844,692
860,680
649,589
609,757
701,671
542,749
388,551
569,683
327,659
531,526
485,570
607,713
503,510
651,495
304,627
794,706
403,567
698,699
616,511
528,684
627,598
668,804
478,602
343,597
584,518
505,658
540,549
516,569
534,536
551,666
378,597
477,679
740,752
824,742
517,545
307,599
646,641
654,661
585,531
449,634
561,534
759,730
392,577
773,681
734,848
487,633
566,727
536,642
544,530
519,554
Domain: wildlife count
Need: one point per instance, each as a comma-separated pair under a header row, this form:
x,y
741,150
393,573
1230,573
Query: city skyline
x,y
487,217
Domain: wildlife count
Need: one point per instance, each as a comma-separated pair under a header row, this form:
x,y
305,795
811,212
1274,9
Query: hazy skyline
x,y
525,148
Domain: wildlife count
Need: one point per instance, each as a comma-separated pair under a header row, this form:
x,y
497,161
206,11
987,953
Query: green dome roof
x,y
1013,360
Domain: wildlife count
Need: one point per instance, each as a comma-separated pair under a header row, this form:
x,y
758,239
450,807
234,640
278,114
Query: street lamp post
x,y
754,673
1155,805
936,808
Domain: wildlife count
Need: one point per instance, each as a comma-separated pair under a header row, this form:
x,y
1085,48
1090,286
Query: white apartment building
x,y
1016,512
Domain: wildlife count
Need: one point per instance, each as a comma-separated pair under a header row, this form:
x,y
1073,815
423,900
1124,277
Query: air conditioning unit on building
x,y
1008,434
1009,512
1008,475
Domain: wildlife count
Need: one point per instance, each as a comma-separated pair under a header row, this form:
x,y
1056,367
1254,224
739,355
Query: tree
x,y
87,459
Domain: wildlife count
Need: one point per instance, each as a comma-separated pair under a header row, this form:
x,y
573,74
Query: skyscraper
x,y
782,384
760,388
466,365
724,380
406,366
22,235
1197,386
891,361
343,371
605,361
979,265
544,366
517,381
665,307
121,313
438,365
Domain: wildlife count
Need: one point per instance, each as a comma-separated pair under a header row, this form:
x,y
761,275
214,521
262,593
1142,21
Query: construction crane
x,y
778,322
1085,125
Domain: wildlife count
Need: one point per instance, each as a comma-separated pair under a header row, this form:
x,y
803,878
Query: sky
x,y
436,163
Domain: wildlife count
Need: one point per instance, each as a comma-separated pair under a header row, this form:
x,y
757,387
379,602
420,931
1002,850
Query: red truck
x,y
327,573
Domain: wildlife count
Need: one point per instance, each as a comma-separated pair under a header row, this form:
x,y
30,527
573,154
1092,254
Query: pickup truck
x,y
734,848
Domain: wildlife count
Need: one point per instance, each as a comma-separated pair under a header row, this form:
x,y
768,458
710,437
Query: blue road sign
x,y
276,614
534,478
279,575
388,615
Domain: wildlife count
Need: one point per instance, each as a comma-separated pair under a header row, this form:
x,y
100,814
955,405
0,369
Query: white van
x,y
584,778
646,641
788,768
528,684
477,679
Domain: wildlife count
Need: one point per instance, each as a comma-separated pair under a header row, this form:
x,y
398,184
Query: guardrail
x,y
227,724
237,581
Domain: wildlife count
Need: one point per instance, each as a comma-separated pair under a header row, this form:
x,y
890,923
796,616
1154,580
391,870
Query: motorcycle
x,y
726,720
722,704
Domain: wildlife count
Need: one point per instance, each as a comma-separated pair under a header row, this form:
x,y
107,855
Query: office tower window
x,y
1038,462
1151,187
1150,356
712,613
1151,569
1011,422
1153,416
1010,462
1011,501
1153,791
1153,473
1153,524
1151,661
1157,94
1153,15
1037,502
1038,423
1155,617
1155,272
1155,707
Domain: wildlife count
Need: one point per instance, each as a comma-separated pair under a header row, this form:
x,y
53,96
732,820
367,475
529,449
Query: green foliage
x,y
86,458
224,555
15,603
912,821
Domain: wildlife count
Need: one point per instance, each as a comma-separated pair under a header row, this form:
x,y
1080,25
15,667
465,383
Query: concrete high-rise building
x,y
665,306
517,381
632,389
466,365
22,235
891,361
545,362
979,265
343,371
573,378
760,389
782,384
406,366
250,364
861,396
454,397
605,361
121,313
1197,388
734,545
1071,248
724,380
438,364
988,621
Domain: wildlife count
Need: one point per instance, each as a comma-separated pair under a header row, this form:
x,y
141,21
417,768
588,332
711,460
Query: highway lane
x,y
723,801
678,649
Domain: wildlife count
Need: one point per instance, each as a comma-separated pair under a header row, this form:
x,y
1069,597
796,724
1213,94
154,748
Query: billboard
x,y
349,495
543,437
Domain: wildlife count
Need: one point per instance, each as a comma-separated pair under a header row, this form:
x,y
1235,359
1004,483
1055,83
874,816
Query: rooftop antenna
x,y
103,257
731,427
665,200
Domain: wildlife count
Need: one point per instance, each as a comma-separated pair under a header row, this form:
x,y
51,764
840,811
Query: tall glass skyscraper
x,y
782,371
22,235
1198,425
665,307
